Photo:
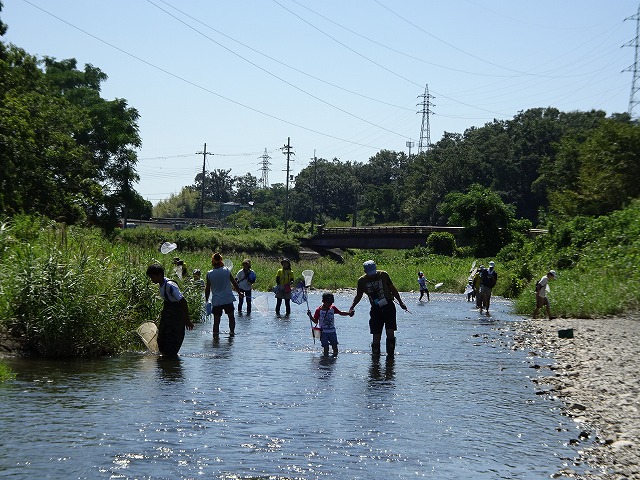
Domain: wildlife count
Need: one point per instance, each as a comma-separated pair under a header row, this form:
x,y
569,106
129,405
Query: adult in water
x,y
218,292
175,313
379,288
284,284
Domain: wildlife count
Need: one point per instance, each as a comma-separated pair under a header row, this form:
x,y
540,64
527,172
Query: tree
x,y
485,216
324,190
182,205
245,187
67,153
609,176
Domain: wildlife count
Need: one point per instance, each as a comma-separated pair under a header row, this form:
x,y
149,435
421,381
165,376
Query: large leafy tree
x,y
484,215
245,187
323,191
608,178
384,178
67,153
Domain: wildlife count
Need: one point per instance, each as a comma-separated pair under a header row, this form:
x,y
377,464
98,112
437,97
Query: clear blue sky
x,y
342,78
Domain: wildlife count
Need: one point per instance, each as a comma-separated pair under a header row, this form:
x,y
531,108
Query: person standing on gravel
x,y
541,294
489,277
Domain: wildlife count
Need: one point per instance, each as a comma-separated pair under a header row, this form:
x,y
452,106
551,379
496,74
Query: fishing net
x,y
299,295
148,332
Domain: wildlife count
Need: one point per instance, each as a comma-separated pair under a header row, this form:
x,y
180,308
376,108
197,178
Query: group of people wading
x,y
376,284
220,284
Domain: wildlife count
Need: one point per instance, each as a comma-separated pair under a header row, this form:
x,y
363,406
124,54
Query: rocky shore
x,y
596,375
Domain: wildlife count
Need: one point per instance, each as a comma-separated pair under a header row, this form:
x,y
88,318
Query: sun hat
x,y
370,267
553,272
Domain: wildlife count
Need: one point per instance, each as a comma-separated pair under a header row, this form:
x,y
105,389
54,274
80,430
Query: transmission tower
x,y
264,180
635,83
425,129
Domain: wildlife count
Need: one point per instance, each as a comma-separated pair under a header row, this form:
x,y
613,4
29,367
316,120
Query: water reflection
x,y
325,365
452,403
381,369
170,369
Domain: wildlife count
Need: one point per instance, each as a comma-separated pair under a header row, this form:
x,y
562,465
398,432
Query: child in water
x,y
422,281
324,317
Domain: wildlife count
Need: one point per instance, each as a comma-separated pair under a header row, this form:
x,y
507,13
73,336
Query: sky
x,y
340,79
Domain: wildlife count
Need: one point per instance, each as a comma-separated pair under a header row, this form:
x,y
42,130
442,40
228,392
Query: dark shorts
x,y
327,339
382,318
218,309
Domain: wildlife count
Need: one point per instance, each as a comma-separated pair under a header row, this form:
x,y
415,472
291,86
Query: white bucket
x,y
316,332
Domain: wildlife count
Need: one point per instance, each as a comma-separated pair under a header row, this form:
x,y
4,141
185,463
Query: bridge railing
x,y
388,230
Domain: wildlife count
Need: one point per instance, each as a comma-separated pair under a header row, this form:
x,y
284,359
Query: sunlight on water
x,y
455,402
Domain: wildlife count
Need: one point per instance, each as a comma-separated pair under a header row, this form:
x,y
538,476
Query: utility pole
x,y
635,83
425,129
204,154
287,151
410,144
313,193
264,180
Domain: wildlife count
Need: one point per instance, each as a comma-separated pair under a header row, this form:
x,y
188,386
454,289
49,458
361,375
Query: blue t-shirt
x,y
220,284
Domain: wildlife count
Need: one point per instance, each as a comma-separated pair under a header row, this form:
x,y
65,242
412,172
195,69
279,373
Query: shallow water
x,y
454,403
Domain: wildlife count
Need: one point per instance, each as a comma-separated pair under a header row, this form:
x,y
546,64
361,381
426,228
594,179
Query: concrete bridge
x,y
391,237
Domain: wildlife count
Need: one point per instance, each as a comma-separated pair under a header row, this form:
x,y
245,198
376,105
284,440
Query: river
x,y
456,402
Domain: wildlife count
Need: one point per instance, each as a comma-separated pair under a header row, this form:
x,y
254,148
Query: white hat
x,y
492,263
553,272
370,267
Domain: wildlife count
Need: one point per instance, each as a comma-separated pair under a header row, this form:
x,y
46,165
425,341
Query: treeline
x,y
543,163
69,154
65,152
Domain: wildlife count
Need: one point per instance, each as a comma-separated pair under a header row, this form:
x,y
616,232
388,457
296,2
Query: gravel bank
x,y
597,376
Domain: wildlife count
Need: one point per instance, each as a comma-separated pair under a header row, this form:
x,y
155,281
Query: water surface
x,y
456,402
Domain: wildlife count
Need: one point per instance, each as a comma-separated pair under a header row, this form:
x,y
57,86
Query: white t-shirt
x,y
544,281
169,291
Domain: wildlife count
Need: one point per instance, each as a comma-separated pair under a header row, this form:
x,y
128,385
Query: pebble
x,y
596,376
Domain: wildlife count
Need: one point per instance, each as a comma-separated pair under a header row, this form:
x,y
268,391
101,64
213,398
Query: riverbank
x,y
597,378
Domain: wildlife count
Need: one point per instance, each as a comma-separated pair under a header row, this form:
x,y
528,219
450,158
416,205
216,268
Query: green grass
x,y
6,373
70,292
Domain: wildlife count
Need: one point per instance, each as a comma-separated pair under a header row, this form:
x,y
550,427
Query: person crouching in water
x,y
324,317
174,317
219,283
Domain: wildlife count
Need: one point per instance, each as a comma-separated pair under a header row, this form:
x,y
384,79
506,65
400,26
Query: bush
x,y
441,243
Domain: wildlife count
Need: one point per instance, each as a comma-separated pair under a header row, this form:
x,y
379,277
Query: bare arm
x,y
185,313
396,295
